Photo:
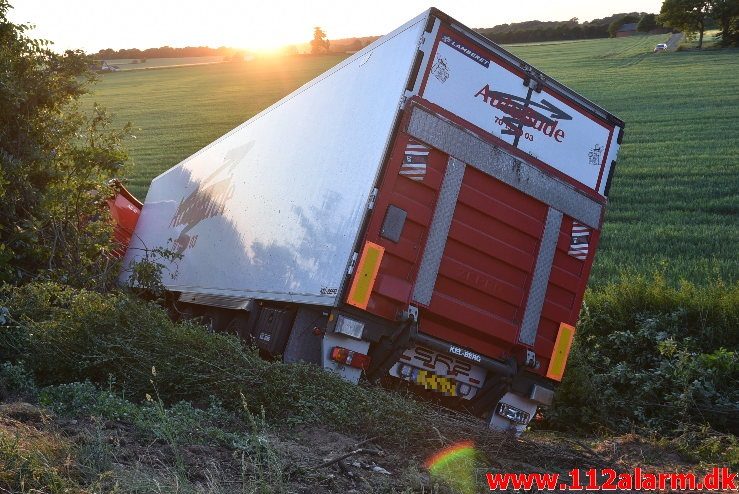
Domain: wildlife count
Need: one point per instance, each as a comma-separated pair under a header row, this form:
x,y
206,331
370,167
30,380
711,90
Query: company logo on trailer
x,y
521,112
469,53
431,359
208,200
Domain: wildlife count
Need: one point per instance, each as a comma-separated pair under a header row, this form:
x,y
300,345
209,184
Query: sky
x,y
268,24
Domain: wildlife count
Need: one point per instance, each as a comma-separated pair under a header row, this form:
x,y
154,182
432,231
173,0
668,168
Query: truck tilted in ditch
x,y
428,210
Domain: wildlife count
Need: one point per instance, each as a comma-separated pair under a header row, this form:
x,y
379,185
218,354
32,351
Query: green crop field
x,y
674,203
155,63
177,111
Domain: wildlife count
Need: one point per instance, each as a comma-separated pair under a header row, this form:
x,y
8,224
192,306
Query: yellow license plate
x,y
431,381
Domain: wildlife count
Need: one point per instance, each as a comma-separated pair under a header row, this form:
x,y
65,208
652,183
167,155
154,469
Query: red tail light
x,y
350,358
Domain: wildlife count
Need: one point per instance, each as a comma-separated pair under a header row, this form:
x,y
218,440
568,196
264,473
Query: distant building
x,y
626,30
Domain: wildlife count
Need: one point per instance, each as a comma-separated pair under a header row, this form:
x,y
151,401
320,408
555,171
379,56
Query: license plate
x,y
441,384
439,372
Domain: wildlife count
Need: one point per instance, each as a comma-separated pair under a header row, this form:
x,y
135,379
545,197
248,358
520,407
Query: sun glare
x,y
259,29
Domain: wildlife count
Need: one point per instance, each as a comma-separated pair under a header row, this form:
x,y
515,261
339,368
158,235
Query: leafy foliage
x,y
167,52
54,162
686,15
647,23
726,12
16,382
148,271
653,357
180,423
532,31
618,23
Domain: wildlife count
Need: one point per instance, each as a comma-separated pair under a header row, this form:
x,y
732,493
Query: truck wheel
x,y
217,321
239,326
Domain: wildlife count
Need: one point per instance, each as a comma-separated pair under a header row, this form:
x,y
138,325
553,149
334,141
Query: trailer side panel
x,y
272,210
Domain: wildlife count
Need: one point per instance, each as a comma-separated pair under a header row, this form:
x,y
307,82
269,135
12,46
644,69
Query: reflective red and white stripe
x,y
414,161
580,241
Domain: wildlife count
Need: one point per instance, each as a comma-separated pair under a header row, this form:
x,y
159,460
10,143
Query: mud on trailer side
x,y
436,223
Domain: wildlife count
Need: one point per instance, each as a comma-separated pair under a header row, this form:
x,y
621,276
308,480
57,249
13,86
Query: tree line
x,y
535,31
166,52
690,16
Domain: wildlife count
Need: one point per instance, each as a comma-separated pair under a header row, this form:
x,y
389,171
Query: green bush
x,y
65,335
652,356
16,383
84,399
181,422
55,161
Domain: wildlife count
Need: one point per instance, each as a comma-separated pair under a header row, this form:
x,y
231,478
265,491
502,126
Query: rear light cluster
x,y
513,414
350,358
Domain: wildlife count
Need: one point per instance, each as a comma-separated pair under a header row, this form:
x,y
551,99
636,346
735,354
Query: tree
x,y
616,25
688,16
319,44
726,12
54,163
647,23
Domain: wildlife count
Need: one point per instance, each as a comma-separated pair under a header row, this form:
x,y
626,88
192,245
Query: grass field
x,y
155,63
675,196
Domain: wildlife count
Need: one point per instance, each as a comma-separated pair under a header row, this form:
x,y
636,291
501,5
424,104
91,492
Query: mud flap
x,y
489,395
390,348
495,387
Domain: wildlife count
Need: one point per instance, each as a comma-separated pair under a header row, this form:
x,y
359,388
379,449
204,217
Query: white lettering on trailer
x,y
494,98
455,350
465,51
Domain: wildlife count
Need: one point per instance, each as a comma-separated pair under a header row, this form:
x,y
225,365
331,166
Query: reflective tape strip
x,y
540,278
561,351
438,232
364,279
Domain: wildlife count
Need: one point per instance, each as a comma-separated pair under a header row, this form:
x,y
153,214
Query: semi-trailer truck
x,y
428,210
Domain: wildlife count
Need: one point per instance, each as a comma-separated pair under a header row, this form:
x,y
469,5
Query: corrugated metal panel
x,y
486,278
485,275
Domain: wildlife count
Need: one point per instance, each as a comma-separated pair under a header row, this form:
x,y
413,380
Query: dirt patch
x,y
633,451
90,455
24,412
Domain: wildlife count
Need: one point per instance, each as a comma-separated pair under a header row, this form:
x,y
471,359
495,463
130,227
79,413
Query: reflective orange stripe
x,y
364,280
561,351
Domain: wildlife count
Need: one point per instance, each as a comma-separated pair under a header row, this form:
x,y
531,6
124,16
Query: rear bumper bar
x,y
503,369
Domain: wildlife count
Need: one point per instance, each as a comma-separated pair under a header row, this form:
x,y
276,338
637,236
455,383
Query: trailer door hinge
x,y
410,313
352,263
372,198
